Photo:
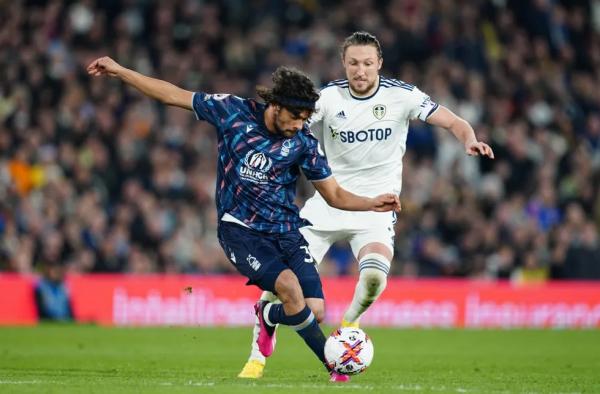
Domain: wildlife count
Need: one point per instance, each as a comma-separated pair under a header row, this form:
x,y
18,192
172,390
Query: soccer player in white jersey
x,y
362,124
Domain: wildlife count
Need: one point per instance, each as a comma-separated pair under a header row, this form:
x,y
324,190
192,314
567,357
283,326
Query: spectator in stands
x,y
51,294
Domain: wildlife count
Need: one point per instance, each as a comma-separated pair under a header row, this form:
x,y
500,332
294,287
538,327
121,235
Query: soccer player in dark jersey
x,y
261,150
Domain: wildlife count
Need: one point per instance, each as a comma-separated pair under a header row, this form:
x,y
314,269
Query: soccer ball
x,y
349,351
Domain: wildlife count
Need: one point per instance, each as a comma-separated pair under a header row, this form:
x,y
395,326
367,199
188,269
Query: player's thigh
x,y
319,242
302,263
253,254
289,291
374,240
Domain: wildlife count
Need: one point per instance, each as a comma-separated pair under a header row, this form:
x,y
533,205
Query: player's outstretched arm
x,y
155,88
447,119
340,198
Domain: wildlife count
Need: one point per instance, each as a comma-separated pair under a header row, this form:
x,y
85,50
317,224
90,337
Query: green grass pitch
x,y
89,359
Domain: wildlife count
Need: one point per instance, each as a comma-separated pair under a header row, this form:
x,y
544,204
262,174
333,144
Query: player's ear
x,y
380,63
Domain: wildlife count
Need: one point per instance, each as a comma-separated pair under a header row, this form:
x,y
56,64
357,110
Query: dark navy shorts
x,y
261,257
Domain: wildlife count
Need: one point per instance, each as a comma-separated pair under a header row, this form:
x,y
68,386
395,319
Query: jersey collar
x,y
367,97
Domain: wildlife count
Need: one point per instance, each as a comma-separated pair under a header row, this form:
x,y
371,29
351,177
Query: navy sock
x,y
315,339
276,315
305,324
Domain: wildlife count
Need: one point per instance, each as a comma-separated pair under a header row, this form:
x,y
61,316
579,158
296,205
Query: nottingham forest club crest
x,y
379,111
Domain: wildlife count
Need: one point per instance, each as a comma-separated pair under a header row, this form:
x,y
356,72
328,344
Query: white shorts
x,y
331,225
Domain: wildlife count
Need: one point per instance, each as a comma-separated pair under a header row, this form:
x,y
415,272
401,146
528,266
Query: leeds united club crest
x,y
379,111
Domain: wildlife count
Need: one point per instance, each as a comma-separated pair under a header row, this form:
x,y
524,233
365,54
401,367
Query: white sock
x,y
372,280
255,354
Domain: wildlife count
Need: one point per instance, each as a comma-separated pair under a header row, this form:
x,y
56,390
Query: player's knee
x,y
288,288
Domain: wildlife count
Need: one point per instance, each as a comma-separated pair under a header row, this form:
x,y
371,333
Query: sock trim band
x,y
376,261
266,310
307,322
376,264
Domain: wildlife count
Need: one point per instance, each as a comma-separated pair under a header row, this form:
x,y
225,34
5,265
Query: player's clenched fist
x,y
102,66
387,202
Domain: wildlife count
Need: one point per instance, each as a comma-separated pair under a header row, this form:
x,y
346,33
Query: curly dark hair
x,y
292,89
361,38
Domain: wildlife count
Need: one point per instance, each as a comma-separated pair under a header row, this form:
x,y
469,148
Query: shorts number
x,y
308,259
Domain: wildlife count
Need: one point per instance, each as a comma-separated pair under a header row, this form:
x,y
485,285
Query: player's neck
x,y
368,92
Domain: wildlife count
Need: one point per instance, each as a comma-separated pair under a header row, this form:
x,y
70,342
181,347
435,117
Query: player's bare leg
x,y
374,266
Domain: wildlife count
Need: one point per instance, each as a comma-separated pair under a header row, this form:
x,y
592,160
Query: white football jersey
x,y
364,139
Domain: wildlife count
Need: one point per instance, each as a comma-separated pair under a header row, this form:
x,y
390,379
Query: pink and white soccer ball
x,y
349,351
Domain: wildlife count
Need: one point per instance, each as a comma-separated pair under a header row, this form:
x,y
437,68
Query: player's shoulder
x,y
244,107
396,84
219,99
398,90
307,137
334,86
252,104
333,92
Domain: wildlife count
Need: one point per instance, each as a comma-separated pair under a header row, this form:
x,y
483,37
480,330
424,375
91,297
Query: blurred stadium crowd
x,y
95,178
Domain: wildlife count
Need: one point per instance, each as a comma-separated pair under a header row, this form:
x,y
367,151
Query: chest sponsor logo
x,y
255,167
351,136
379,111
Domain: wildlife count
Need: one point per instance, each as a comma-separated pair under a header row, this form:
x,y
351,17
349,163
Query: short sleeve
x,y
313,162
319,113
316,120
316,128
215,108
420,105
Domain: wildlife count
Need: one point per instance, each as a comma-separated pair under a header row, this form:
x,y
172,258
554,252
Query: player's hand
x,y
479,148
386,202
104,66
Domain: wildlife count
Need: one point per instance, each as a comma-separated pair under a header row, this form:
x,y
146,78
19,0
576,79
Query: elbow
x,y
339,205
343,204
333,200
